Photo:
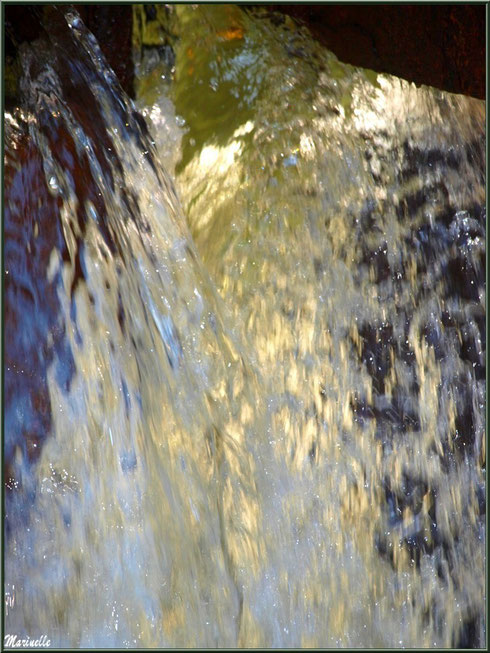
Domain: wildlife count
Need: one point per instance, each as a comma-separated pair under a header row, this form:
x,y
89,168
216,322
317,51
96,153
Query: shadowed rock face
x,y
436,45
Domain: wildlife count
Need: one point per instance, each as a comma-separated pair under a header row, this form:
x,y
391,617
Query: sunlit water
x,y
248,411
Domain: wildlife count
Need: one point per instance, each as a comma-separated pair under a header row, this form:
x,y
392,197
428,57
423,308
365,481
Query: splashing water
x,y
252,416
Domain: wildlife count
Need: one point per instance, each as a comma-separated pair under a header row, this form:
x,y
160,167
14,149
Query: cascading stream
x,y
245,346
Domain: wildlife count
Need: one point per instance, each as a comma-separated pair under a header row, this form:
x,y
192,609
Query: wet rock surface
x,y
438,45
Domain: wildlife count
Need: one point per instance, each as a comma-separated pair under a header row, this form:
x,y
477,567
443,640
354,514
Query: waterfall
x,y
244,347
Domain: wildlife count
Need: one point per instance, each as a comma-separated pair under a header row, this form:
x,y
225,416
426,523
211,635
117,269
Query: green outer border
x,y
264,2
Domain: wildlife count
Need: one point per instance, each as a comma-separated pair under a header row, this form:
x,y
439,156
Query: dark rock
x,y
438,45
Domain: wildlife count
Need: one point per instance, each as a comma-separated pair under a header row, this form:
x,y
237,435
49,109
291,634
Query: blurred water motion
x,y
249,412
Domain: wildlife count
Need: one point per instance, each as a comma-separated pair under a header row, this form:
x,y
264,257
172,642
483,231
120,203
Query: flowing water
x,y
245,346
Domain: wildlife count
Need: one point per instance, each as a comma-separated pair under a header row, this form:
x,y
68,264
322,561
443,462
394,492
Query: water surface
x,y
245,346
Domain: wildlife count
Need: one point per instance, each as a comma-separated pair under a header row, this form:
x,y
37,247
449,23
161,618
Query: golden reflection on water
x,y
223,486
269,210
